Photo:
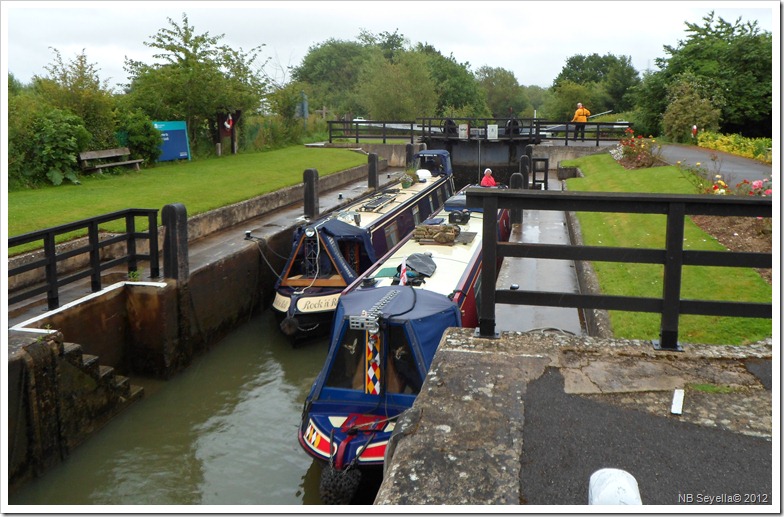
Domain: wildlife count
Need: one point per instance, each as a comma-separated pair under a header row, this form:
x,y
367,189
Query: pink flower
x,y
769,192
756,184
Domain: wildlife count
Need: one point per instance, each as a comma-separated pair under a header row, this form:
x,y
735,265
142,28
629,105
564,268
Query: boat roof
x,y
370,210
451,260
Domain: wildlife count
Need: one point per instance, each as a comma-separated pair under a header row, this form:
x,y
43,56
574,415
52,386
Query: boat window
x,y
415,212
391,234
349,365
439,199
402,375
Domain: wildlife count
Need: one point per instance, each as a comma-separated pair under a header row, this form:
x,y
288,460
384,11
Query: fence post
x,y
489,254
152,226
516,182
95,257
373,171
310,177
175,242
673,268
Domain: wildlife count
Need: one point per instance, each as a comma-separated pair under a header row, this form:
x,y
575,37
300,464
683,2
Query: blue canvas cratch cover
x,y
422,315
332,232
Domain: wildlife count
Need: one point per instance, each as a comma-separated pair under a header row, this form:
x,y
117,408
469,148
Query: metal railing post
x,y
130,233
152,226
52,294
95,257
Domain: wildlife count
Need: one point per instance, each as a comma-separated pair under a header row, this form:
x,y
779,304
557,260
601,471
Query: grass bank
x,y
603,174
200,185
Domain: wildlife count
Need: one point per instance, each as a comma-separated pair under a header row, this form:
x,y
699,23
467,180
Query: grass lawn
x,y
200,185
603,174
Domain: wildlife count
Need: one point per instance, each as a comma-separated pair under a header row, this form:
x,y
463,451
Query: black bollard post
x,y
409,155
516,182
525,169
175,242
373,171
310,178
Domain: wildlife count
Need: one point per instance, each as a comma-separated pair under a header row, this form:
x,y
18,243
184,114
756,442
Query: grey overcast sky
x,y
531,39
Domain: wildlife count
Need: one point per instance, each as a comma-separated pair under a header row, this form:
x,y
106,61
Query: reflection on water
x,y
224,432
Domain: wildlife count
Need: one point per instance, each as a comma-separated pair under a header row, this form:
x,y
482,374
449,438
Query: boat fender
x,y
339,486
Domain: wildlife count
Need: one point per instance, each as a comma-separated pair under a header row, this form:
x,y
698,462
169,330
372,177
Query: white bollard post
x,y
613,486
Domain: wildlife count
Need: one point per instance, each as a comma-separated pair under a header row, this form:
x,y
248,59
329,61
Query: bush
x,y
756,148
136,130
46,150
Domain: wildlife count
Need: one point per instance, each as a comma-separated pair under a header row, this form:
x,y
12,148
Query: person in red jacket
x,y
580,118
488,180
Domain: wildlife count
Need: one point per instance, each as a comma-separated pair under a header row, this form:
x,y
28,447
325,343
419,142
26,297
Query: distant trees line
x,y
718,78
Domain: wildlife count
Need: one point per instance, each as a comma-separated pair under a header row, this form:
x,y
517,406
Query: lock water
x,y
223,432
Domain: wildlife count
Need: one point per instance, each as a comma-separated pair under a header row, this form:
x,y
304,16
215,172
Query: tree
x,y
402,90
332,70
390,44
196,78
563,101
505,97
688,104
455,85
612,77
735,60
75,87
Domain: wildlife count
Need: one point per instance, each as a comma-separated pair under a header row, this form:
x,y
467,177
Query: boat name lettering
x,y
324,303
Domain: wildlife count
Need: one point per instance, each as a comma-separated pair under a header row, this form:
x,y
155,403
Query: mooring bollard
x,y
175,243
373,171
310,178
516,182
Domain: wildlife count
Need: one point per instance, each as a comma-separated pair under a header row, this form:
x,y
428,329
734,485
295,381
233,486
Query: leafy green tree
x,y
688,104
537,98
505,97
195,79
402,90
735,60
456,88
332,70
612,77
390,44
562,103
75,86
650,101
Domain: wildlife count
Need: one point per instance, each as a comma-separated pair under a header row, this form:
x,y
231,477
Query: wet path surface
x,y
545,227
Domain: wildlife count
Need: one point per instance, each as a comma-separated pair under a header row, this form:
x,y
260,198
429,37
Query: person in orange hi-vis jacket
x,y
580,118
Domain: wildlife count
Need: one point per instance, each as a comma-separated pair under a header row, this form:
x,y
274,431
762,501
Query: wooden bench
x,y
95,160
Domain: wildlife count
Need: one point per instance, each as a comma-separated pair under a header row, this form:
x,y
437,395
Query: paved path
x,y
733,169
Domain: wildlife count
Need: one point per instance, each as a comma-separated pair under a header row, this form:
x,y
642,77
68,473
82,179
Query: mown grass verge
x,y
603,174
200,185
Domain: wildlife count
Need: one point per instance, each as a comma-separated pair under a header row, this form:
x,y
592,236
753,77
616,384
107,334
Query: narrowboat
x,y
387,327
328,254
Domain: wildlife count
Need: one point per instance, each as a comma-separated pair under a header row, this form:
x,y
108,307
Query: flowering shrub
x,y
760,188
756,148
636,152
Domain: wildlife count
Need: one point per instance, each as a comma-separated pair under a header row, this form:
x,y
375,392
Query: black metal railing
x,y
531,130
371,130
51,257
673,257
